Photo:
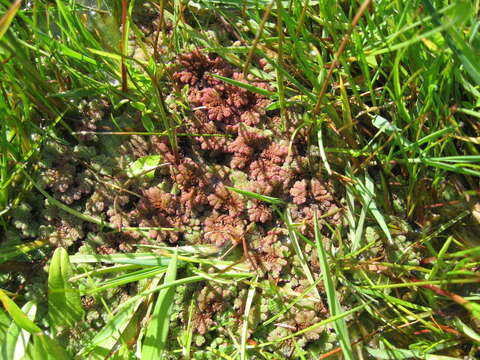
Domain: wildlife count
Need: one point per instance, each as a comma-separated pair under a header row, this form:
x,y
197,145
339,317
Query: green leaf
x,y
11,252
245,86
7,18
105,340
18,315
128,278
246,313
144,165
367,195
147,259
467,330
333,303
157,331
455,39
45,348
16,339
267,199
391,354
64,304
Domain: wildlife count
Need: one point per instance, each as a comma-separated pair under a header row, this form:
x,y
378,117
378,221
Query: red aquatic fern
x,y
259,212
299,192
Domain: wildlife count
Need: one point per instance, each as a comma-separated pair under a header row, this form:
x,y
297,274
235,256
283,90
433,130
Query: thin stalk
x,y
336,59
268,10
123,45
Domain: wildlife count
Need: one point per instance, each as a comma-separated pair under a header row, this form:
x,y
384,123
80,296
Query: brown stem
x,y
339,52
122,45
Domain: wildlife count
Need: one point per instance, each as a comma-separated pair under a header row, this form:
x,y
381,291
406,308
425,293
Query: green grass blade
x,y
467,330
64,207
146,259
317,325
333,303
104,340
460,47
397,354
16,339
157,331
127,278
298,250
246,313
323,155
246,86
367,195
7,18
267,199
10,252
18,315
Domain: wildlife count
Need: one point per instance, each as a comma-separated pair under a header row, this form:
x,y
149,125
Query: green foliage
x,y
16,338
144,166
332,297
64,304
157,331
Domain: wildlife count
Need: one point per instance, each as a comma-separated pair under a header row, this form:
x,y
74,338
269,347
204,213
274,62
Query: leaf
x,y
455,39
383,125
245,86
45,348
7,18
105,340
147,259
322,151
367,194
144,166
267,199
392,354
157,331
246,313
292,232
16,339
128,278
333,303
9,252
467,330
18,315
64,304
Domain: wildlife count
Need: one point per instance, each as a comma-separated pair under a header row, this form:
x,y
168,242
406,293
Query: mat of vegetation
x,y
239,179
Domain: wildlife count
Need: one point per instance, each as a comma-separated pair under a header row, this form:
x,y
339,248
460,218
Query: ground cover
x,y
237,179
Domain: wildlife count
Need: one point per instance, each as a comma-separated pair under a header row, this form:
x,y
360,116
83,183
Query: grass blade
x,y
128,278
16,339
146,259
367,195
317,325
246,86
301,256
7,18
267,199
157,331
104,340
18,315
46,348
333,303
248,306
11,252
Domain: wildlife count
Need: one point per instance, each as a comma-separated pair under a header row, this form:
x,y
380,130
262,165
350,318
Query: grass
x,y
385,97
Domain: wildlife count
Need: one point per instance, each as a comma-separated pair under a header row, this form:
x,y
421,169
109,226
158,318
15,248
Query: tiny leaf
x,y
144,165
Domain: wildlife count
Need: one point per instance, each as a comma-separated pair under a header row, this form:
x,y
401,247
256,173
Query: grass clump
x,y
242,179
